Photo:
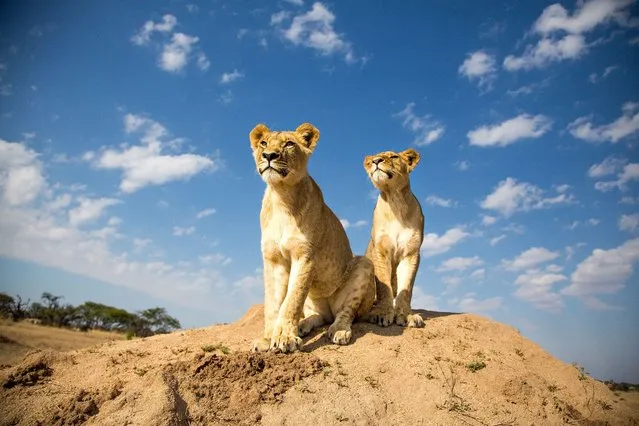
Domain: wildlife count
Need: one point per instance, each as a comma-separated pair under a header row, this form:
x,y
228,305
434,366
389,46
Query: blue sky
x,y
127,177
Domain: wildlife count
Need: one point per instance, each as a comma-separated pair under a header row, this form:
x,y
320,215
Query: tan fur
x,y
310,274
396,237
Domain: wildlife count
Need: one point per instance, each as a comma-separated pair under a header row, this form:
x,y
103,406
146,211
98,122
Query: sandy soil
x,y
18,338
459,369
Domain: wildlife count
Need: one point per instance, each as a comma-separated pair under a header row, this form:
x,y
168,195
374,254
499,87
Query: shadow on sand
x,y
317,338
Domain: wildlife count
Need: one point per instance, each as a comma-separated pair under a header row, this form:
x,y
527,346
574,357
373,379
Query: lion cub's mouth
x,y
377,169
282,172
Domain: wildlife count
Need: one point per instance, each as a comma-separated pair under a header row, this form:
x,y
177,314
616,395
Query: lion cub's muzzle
x,y
376,168
271,159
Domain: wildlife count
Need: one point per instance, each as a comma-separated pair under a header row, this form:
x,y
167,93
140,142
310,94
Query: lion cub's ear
x,y
309,133
411,157
257,134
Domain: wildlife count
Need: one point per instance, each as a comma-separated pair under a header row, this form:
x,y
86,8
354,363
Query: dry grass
x,y
18,338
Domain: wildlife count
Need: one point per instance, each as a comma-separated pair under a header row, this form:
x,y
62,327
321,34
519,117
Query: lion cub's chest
x,y
396,238
281,238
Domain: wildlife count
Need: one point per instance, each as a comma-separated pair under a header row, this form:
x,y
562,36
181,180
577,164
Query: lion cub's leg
x,y
406,271
354,299
276,276
315,314
382,313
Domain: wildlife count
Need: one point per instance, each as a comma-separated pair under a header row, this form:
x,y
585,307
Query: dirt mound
x,y
459,369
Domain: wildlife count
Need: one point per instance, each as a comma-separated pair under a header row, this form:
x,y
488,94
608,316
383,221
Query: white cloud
x,y
192,8
610,165
524,126
21,172
604,271
229,77
494,241
487,220
143,36
510,196
421,300
181,232
529,88
434,200
177,50
215,258
426,129
530,258
295,2
459,263
595,78
434,244
629,173
556,19
536,287
588,15
175,54
146,164
314,29
479,274
629,200
451,281
204,213
462,165
90,210
629,222
547,51
470,304
479,66
623,127
571,250
346,224
280,17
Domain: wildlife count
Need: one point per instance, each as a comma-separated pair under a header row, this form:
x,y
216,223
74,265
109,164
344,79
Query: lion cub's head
x,y
281,157
389,170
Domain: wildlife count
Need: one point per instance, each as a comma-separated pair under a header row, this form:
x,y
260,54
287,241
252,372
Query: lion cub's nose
x,y
270,156
377,161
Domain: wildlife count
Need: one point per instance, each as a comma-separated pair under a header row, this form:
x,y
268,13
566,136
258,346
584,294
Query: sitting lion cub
x,y
309,269
396,237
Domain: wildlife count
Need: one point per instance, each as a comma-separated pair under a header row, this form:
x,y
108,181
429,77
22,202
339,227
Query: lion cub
x,y
396,237
310,274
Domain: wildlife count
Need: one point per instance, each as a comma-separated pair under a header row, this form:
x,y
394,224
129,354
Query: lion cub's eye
x,y
263,143
289,144
394,157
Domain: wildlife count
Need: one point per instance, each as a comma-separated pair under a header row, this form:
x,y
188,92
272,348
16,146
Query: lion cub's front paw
x,y
339,334
382,315
285,337
404,318
286,344
260,345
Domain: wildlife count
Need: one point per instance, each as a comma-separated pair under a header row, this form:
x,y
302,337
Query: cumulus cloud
x,y
536,286
434,200
524,126
629,173
494,241
610,165
604,271
434,244
143,36
90,209
511,196
479,66
21,173
204,213
488,220
555,19
179,231
147,164
478,274
530,258
315,30
346,224
425,128
229,77
629,222
459,264
594,78
177,49
623,127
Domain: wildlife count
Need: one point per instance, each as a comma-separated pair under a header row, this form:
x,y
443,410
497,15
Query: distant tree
x,y
159,321
6,305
